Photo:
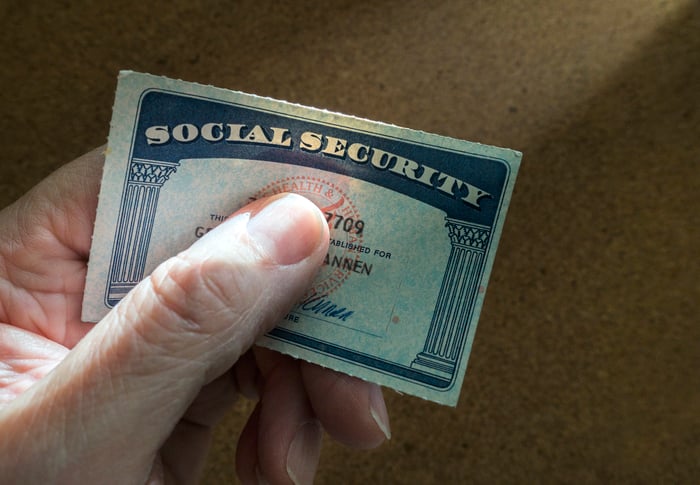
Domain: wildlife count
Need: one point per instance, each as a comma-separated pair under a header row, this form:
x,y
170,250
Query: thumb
x,y
109,406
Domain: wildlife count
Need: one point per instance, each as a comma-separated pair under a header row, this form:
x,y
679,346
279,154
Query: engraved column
x,y
455,302
136,216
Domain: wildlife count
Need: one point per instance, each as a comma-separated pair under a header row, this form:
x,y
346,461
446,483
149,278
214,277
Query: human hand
x,y
134,398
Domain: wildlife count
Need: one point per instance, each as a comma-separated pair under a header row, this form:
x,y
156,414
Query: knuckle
x,y
202,296
177,296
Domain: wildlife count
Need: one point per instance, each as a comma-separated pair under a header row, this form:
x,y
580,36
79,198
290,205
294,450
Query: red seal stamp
x,y
344,221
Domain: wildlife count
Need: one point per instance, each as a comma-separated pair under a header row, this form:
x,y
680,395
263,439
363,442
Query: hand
x,y
134,398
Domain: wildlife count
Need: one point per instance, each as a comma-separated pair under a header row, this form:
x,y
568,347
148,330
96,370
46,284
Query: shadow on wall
x,y
601,247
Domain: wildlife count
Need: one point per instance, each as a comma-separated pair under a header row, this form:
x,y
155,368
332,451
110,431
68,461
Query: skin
x,y
134,398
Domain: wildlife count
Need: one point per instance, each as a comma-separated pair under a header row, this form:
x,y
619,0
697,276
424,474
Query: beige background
x,y
585,363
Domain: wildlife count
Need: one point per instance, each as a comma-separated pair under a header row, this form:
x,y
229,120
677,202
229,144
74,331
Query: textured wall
x,y
585,363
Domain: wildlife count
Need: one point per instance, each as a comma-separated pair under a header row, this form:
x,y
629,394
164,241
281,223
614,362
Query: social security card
x,y
414,219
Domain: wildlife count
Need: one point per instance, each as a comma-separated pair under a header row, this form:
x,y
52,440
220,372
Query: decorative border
x,y
436,366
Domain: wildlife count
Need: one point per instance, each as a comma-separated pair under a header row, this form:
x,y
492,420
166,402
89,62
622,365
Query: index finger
x,y
351,410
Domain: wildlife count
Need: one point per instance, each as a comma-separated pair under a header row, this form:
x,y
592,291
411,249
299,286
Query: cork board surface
x,y
585,363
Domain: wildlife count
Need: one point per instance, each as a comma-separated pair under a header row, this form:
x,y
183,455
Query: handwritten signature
x,y
321,305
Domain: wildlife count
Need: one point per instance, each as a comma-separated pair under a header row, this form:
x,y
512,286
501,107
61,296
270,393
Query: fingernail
x,y
377,408
287,228
304,452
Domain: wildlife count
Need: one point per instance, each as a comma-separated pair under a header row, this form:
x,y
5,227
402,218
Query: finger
x,y
289,435
54,205
352,411
25,357
176,331
213,401
45,242
247,450
248,378
185,451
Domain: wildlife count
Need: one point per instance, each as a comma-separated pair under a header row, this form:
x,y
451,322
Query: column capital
x,y
467,234
151,172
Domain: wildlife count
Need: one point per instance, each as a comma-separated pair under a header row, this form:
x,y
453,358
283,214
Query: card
x,y
414,218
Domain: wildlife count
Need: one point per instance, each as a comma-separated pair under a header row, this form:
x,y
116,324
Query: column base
x,y
431,364
116,292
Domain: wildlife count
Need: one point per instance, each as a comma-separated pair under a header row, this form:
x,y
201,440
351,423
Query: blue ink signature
x,y
321,305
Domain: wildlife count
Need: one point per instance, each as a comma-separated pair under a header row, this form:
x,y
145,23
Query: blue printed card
x,y
414,219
